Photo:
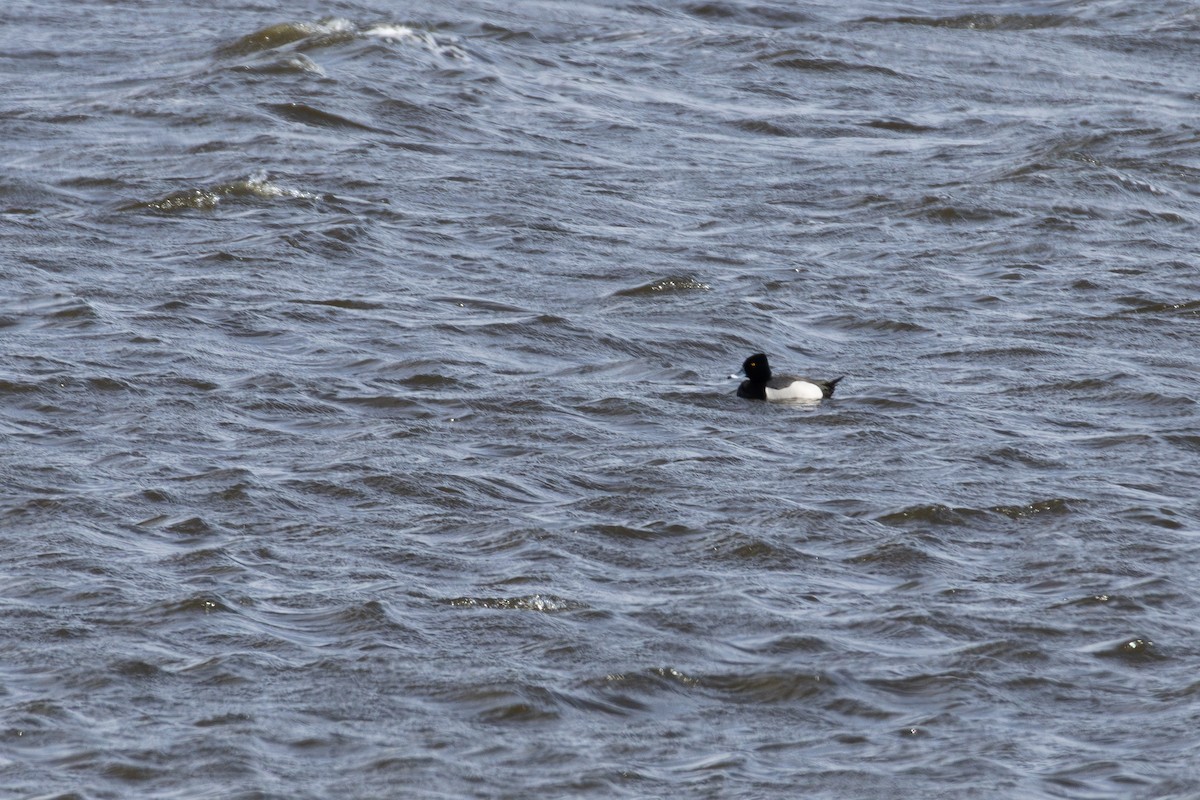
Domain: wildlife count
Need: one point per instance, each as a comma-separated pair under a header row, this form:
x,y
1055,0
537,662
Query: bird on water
x,y
760,384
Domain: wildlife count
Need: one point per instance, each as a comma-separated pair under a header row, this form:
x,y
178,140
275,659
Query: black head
x,y
756,368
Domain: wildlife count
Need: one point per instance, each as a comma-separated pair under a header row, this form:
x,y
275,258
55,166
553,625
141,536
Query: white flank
x,y
797,390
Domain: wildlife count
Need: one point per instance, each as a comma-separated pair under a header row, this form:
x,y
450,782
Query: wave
x,y
332,31
980,22
941,514
255,187
664,285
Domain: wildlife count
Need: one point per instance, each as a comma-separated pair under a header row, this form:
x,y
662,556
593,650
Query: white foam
x,y
403,33
396,32
260,185
335,25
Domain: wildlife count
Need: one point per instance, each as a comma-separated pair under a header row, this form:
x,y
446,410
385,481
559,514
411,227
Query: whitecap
x,y
403,33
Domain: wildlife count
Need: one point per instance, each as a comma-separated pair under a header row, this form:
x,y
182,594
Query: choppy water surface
x,y
366,430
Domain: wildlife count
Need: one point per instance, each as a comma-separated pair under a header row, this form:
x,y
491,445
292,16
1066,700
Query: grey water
x,y
366,429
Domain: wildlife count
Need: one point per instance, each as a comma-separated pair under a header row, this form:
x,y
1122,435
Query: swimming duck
x,y
760,385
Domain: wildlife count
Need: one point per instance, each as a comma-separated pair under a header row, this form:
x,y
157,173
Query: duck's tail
x,y
827,387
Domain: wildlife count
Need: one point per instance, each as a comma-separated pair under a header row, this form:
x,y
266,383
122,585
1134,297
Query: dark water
x,y
366,430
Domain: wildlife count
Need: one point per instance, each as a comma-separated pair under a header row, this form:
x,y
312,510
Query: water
x,y
366,430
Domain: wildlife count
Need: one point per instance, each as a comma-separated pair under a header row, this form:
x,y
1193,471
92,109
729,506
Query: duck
x,y
761,385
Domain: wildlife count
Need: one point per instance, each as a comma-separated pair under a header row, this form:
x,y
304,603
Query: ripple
x,y
349,304
332,32
536,602
741,548
311,115
764,127
72,313
664,285
902,557
982,22
804,62
517,704
769,687
274,36
940,514
256,187
292,64
1056,505
897,125
884,325
767,15
1142,305
1134,651
949,210
931,514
